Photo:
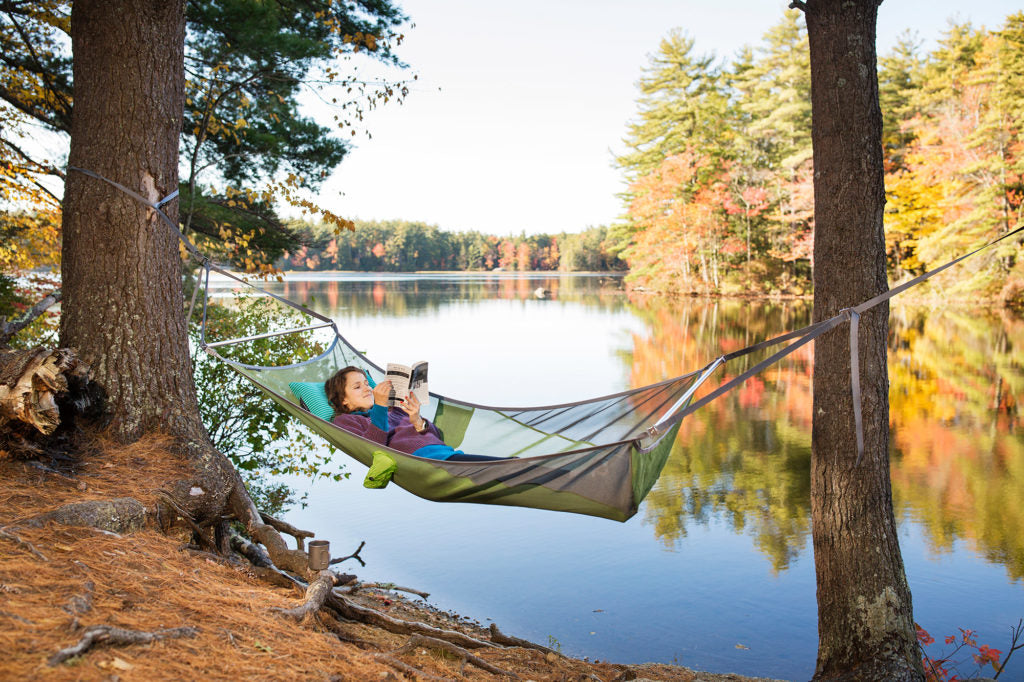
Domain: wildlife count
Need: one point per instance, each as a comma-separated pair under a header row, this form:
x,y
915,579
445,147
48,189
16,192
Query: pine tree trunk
x,y
865,619
122,306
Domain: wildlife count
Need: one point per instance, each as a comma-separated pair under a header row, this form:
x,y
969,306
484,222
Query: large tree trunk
x,y
865,620
121,272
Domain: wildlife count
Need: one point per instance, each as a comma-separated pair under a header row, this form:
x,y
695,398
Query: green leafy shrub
x,y
246,426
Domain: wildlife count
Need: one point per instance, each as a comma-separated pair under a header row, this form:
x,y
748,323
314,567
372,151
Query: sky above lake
x,y
520,108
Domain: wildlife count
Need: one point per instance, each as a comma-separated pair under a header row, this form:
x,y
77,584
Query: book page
x,y
405,379
398,375
418,382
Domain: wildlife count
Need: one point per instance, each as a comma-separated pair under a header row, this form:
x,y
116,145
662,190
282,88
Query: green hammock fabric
x,y
594,457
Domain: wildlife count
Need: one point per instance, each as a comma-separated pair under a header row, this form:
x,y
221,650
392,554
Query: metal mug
x,y
319,555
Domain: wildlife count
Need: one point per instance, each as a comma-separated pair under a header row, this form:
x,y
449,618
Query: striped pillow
x,y
313,396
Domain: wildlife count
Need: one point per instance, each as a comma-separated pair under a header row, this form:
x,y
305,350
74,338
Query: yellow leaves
x,y
367,39
30,240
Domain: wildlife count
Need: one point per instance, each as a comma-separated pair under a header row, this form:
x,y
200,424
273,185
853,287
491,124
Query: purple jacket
x,y
400,435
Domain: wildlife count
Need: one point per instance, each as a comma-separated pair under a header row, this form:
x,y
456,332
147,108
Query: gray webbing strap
x,y
191,248
195,292
143,200
858,420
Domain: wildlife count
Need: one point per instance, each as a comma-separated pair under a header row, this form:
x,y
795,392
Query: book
x,y
407,379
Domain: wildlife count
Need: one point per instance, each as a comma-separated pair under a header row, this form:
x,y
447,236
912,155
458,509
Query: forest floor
x,y
57,581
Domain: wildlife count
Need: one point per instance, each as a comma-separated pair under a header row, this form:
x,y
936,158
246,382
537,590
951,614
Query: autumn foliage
x,y
732,212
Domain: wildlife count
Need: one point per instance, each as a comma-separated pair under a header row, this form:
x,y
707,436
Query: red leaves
x,y
987,655
945,669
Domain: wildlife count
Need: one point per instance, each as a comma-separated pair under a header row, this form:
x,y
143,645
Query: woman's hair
x,y
335,388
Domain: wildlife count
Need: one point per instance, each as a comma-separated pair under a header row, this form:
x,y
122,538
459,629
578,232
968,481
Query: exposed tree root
x,y
79,604
352,611
500,637
338,630
437,644
316,595
119,515
256,555
285,527
109,635
49,471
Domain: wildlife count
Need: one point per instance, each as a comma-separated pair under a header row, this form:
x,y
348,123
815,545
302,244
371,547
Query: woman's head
x,y
349,390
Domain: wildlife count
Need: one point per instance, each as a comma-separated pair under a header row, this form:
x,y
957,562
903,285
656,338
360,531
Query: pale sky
x,y
520,107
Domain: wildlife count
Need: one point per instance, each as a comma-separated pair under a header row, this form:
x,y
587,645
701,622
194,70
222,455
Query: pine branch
x,y
9,329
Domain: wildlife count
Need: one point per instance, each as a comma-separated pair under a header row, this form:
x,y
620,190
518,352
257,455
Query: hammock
x,y
598,457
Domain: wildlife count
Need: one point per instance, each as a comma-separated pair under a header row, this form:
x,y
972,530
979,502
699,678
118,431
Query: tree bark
x,y
865,619
120,268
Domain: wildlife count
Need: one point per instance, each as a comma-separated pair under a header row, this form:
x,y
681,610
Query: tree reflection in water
x,y
957,448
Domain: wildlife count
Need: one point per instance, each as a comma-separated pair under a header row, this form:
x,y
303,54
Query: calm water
x,y
716,571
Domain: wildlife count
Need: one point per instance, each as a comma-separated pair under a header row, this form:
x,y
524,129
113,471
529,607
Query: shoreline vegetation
x,y
928,293
211,618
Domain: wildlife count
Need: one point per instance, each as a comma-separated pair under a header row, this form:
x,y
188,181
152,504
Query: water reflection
x,y
959,470
404,295
957,451
746,456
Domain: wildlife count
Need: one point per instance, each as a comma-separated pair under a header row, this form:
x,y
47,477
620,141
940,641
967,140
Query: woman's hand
x,y
411,406
381,392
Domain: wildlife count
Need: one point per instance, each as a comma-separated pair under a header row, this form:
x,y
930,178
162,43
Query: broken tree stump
x,y
42,391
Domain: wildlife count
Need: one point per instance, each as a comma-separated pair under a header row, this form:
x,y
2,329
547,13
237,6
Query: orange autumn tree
x,y
680,207
957,189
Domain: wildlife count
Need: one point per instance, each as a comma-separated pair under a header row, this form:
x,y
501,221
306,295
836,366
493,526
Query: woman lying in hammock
x,y
364,412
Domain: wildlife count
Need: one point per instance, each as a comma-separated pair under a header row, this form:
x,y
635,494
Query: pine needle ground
x,y
146,582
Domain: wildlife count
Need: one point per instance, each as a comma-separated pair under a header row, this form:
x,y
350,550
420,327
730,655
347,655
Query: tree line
x,y
718,163
400,245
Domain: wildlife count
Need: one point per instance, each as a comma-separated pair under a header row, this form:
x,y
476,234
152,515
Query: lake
x,y
716,571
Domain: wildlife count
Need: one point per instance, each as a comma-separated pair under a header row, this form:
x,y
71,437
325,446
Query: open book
x,y
405,380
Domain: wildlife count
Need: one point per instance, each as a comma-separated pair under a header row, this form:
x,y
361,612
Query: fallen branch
x,y
316,595
285,527
110,635
499,637
353,555
434,643
349,609
406,668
